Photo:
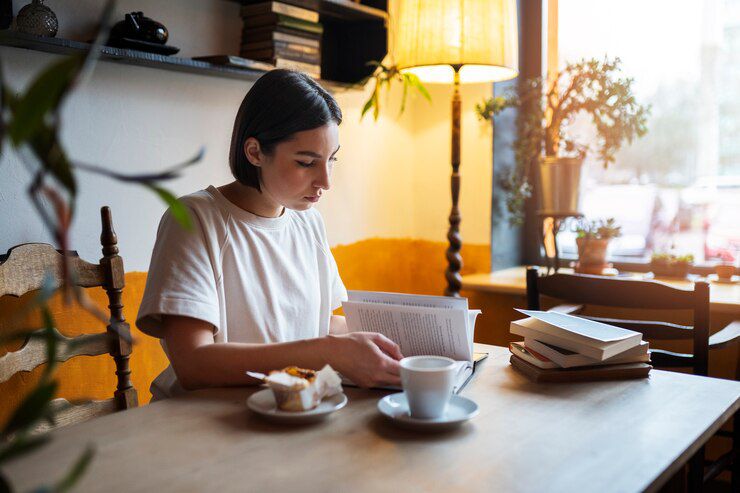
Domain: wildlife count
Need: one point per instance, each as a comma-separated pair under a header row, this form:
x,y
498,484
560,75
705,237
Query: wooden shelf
x,y
139,58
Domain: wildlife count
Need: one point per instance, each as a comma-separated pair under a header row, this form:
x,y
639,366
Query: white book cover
x,y
588,346
569,326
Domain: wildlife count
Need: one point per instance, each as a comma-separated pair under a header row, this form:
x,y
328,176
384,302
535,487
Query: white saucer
x,y
263,403
396,408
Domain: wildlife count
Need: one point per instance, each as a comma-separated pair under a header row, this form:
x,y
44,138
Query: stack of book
x,y
283,35
563,348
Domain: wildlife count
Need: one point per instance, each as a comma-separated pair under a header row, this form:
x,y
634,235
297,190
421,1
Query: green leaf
x,y
403,97
42,97
51,156
51,342
33,408
77,470
366,108
376,109
416,82
21,445
177,208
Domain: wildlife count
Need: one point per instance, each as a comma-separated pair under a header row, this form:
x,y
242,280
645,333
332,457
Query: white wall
x,y
392,179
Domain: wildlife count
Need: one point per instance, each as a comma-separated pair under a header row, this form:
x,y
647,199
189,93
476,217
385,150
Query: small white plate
x,y
263,403
396,408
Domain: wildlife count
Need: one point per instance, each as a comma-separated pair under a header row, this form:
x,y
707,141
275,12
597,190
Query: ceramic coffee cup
x,y
427,382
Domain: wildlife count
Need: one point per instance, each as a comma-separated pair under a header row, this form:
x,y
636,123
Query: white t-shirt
x,y
255,279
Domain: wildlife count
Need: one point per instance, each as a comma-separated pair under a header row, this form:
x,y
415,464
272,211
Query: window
x,y
677,189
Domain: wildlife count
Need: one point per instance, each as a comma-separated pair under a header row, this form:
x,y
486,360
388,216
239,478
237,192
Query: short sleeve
x,y
182,279
338,291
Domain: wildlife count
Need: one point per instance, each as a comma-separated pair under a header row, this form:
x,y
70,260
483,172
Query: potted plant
x,y
592,240
671,265
547,108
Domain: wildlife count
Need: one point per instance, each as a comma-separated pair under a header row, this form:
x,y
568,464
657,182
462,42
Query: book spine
x,y
281,33
288,54
269,20
280,8
296,40
280,47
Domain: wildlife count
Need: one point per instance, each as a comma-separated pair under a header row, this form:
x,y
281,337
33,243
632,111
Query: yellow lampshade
x,y
428,37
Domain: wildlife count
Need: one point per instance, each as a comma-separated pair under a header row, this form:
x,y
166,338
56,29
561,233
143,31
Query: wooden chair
x,y
583,290
23,270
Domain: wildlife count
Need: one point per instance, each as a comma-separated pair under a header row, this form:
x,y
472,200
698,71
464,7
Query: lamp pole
x,y
454,259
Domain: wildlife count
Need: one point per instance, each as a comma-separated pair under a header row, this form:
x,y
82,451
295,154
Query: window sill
x,y
724,298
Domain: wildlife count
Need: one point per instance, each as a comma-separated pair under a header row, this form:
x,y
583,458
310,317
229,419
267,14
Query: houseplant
x,y
592,240
671,265
384,75
546,110
31,125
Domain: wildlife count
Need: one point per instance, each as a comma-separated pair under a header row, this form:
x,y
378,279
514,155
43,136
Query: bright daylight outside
x,y
677,189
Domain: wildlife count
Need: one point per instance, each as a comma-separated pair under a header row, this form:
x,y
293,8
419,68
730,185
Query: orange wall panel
x,y
401,265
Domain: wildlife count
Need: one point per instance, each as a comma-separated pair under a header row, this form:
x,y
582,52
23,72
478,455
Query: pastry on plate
x,y
299,389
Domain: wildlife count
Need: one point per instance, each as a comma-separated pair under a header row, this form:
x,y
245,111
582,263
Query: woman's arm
x,y
337,325
368,359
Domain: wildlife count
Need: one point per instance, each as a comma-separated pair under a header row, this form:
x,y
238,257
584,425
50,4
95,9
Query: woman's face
x,y
299,170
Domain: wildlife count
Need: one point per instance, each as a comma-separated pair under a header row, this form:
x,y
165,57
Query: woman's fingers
x,y
387,346
391,379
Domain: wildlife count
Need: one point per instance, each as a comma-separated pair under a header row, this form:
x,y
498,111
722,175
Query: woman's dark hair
x,y
279,104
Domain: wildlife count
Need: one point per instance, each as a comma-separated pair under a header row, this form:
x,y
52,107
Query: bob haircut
x,y
279,104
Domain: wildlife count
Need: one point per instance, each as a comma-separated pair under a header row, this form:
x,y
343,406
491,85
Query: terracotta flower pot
x,y
662,268
724,271
592,255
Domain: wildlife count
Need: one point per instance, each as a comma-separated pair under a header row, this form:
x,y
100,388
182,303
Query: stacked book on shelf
x,y
563,348
284,35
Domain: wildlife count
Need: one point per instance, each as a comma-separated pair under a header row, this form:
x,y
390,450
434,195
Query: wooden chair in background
x,y
23,270
584,290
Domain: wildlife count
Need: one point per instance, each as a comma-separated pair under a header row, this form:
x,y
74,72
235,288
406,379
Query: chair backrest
x,y
631,293
25,268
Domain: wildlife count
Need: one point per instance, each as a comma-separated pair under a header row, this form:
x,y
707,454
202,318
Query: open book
x,y
420,325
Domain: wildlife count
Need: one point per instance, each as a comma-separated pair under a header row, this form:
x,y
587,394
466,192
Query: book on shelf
x,y
565,358
279,46
272,54
280,33
281,20
623,371
279,8
420,325
235,61
587,337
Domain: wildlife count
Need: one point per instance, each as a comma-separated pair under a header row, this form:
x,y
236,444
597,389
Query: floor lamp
x,y
454,41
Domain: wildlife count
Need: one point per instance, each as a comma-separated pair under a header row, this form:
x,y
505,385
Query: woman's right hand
x,y
368,359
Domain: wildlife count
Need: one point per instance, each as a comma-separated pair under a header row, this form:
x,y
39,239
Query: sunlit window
x,y
677,189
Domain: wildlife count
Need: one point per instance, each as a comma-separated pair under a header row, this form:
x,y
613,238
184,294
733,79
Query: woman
x,y
254,285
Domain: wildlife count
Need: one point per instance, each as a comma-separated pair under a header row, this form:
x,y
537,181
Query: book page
x,y
408,299
472,316
417,330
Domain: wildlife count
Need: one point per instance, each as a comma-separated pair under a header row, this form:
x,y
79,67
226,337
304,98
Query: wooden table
x,y
609,436
723,297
